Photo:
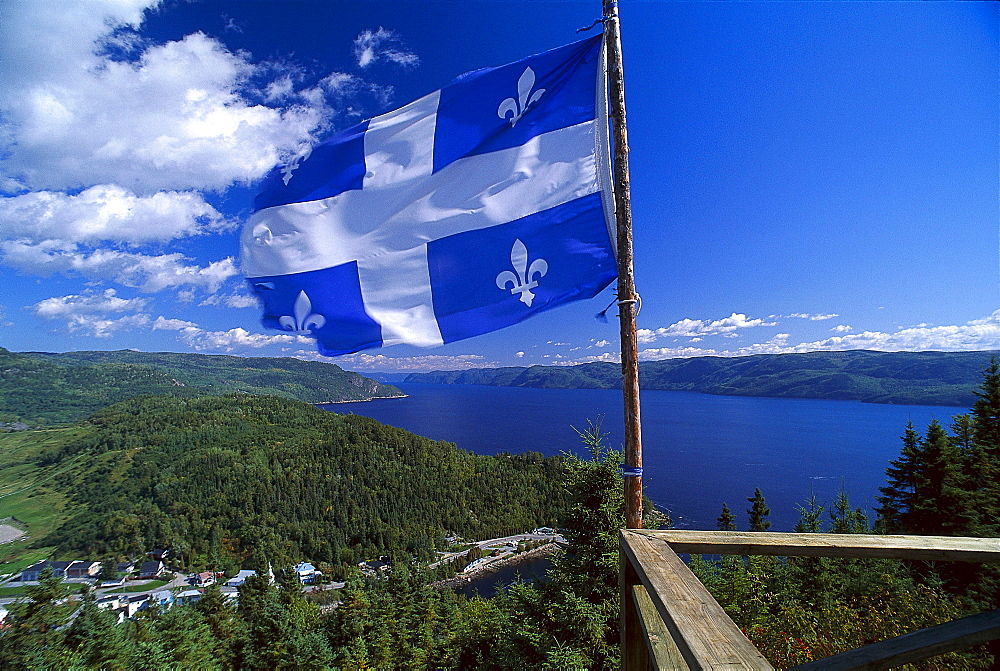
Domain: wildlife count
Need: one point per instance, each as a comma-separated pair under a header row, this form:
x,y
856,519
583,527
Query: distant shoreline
x,y
360,400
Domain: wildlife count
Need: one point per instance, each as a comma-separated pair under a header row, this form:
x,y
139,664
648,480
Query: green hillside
x,y
217,478
40,388
915,378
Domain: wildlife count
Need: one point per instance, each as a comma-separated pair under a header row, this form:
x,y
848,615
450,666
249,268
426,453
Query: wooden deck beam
x,y
926,548
703,633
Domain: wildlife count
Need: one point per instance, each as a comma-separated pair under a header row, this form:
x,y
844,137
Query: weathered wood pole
x,y
627,298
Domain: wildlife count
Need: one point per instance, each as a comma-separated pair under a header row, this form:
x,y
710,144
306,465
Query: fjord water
x,y
698,450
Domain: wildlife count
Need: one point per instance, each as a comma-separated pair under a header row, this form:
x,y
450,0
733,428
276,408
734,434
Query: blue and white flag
x,y
468,210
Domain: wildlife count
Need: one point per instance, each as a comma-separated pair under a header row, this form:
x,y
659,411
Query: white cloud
x,y
842,328
61,307
232,301
382,45
975,335
813,317
602,343
519,355
697,327
234,339
87,314
148,273
108,213
161,323
175,117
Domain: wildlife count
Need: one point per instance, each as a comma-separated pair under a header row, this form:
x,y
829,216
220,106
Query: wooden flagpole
x,y
627,297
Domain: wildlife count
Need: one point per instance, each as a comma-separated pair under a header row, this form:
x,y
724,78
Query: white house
x,y
240,578
306,572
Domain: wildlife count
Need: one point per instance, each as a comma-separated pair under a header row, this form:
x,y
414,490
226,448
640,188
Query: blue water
x,y
698,450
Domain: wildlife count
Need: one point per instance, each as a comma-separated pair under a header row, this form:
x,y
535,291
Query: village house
x,y
203,579
151,569
306,572
240,578
34,571
83,569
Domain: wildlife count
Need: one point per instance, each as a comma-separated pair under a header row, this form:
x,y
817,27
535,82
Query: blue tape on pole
x,y
628,472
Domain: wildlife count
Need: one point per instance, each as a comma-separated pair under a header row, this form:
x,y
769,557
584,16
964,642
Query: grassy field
x,y
26,494
152,584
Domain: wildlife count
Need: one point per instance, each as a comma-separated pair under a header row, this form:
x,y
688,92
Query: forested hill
x,y
216,479
913,378
40,388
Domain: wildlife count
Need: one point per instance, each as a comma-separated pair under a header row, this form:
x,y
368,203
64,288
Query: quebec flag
x,y
468,210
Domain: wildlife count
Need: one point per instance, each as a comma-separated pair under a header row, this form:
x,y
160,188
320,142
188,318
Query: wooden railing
x,y
670,621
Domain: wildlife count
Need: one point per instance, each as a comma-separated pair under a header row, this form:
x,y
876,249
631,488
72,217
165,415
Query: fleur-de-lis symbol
x,y
527,277
294,164
303,321
510,106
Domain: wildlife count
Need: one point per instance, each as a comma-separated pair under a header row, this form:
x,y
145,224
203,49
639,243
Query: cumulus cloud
x,y
842,328
60,307
146,272
88,314
976,335
233,340
382,45
173,117
813,317
697,327
108,213
519,355
232,301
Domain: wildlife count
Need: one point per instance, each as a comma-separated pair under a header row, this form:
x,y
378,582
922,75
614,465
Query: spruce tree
x,y
897,495
758,512
726,520
985,468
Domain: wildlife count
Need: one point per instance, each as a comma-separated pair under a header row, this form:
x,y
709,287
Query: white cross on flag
x,y
468,210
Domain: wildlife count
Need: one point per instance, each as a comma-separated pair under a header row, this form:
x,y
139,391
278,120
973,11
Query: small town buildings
x,y
113,583
35,570
159,554
240,578
306,572
151,569
189,596
203,579
126,566
83,569
374,566
164,599
133,604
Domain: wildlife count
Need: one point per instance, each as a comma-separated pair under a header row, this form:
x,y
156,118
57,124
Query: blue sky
x,y
806,175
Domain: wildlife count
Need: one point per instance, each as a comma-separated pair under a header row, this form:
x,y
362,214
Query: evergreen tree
x,y
845,519
94,637
758,512
31,638
985,468
927,490
810,516
726,520
897,494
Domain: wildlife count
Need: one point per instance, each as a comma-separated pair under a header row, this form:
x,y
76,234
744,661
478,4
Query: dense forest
x,y
217,478
945,481
915,378
41,388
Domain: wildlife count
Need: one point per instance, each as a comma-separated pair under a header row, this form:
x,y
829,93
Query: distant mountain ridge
x,y
44,388
905,378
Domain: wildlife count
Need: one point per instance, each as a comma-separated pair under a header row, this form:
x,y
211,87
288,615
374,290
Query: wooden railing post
x,y
634,647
